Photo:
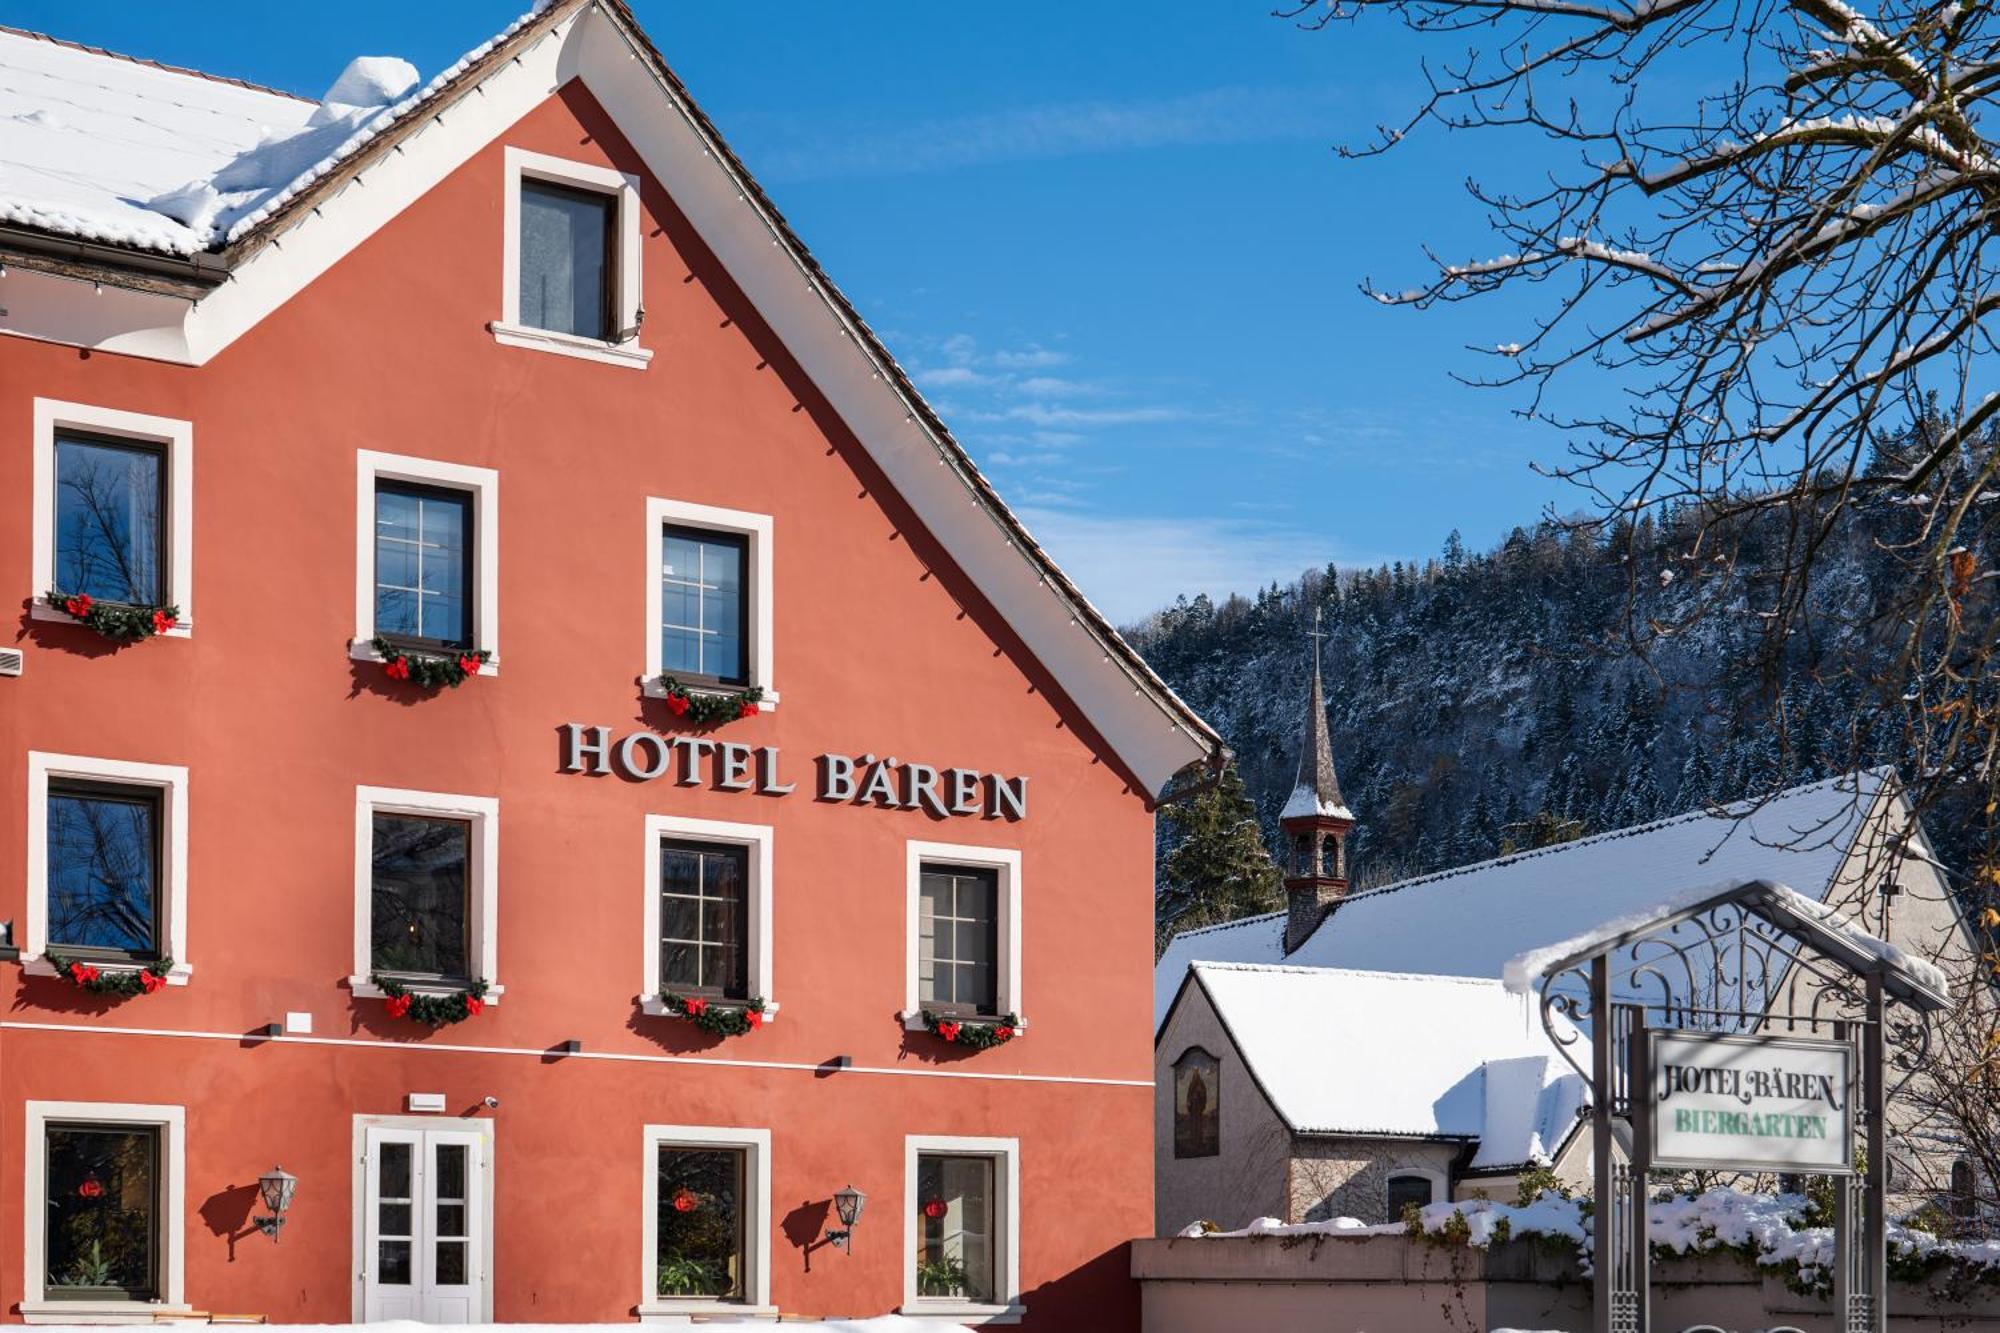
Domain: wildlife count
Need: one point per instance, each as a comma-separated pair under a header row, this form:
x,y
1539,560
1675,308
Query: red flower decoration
x,y
746,709
949,1031
469,664
1004,1033
685,1201
695,1006
755,1017
474,1005
399,1006
91,1188
162,622
151,981
78,605
82,973
935,1208
399,669
677,704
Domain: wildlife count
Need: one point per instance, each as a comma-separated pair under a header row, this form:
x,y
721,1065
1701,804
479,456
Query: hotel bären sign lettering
x,y
891,783
1751,1104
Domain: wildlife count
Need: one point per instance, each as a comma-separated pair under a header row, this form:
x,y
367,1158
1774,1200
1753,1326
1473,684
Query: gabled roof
x,y
1338,1051
232,195
1470,921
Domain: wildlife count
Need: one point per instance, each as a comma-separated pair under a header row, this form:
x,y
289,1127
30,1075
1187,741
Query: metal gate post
x,y
1603,1234
1875,1218
1639,1099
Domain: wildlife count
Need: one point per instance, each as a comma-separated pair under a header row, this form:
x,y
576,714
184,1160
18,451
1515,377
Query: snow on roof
x,y
1340,1051
1305,801
1472,920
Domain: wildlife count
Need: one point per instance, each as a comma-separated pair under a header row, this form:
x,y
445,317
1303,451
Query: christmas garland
x,y
115,620
428,670
707,708
972,1036
118,981
721,1020
436,1010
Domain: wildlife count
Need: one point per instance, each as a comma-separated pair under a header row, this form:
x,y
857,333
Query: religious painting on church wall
x,y
1197,1104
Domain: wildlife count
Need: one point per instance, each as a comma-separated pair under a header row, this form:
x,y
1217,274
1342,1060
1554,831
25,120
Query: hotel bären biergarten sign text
x,y
891,783
1751,1104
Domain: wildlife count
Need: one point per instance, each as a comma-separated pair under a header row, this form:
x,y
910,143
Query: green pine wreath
x,y
720,1018
429,671
118,621
123,981
436,1010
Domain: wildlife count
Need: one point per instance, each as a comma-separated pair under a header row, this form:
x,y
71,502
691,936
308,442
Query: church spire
x,y
1315,822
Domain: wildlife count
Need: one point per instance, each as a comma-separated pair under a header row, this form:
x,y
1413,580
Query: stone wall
x,y
1348,1177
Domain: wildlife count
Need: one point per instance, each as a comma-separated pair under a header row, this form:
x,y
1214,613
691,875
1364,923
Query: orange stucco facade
x,y
880,645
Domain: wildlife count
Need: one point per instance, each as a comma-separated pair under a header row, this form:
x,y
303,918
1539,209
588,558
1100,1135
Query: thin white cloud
x,y
948,377
1028,358
1132,565
833,149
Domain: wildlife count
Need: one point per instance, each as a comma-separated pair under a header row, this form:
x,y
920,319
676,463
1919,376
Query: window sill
x,y
38,965
41,610
568,344
963,1313
656,1007
684,1312
98,1312
913,1021
650,688
361,650
364,989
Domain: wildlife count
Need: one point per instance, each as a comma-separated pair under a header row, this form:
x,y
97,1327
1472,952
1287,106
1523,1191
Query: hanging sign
x,y
1751,1103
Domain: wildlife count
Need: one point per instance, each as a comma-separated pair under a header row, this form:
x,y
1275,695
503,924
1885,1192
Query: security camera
x,y
493,1103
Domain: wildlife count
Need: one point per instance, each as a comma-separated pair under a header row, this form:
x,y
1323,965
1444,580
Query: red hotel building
x,y
371,807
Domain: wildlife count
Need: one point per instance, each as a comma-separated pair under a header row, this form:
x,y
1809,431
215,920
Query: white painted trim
x,y
484,814
756,530
358,1194
1006,860
53,415
757,1220
36,1307
620,1057
1007,1228
172,782
508,329
484,485
758,838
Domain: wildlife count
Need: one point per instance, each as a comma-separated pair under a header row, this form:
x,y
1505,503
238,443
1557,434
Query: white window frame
x,y
757,1222
485,1128
36,1307
483,812
53,416
483,484
1440,1187
171,781
758,839
1007,861
1006,1229
756,531
508,330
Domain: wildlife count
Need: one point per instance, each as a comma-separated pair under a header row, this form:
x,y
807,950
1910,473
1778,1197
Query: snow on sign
x,y
1751,1103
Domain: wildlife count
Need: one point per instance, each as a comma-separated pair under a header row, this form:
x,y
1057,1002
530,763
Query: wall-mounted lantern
x,y
847,1206
277,1186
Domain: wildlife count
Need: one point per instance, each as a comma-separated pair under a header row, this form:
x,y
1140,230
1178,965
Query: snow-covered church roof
x,y
1470,921
1339,1051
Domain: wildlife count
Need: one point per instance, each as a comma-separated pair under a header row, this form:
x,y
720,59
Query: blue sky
x,y
1114,244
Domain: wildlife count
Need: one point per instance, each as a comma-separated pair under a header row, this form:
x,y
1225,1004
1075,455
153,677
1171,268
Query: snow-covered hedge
x,y
1765,1229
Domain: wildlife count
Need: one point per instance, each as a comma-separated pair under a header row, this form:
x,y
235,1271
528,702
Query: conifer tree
x,y
1219,869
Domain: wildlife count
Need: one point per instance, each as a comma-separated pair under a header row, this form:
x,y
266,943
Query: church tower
x,y
1314,824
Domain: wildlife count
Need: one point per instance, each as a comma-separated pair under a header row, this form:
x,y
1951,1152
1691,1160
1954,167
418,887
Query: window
x,y
1408,1188
707,1224
570,260
426,890
708,597
961,1196
104,1210
964,932
420,899
957,939
704,602
704,912
427,556
707,911
107,861
113,512
104,869
423,565
1197,1104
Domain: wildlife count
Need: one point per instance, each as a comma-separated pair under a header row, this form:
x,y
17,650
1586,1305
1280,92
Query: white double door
x,y
424,1226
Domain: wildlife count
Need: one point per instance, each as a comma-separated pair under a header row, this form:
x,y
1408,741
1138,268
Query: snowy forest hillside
x,y
1486,701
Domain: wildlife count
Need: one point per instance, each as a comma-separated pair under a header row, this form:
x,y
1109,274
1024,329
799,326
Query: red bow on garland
x,y
78,606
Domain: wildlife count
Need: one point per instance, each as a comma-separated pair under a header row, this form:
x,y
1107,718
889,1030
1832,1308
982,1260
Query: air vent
x,y
10,661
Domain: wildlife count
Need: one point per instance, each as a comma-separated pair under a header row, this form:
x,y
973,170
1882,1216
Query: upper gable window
x,y
570,282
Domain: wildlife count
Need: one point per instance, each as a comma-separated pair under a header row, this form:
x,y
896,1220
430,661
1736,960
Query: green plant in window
x,y
942,1276
114,620
706,707
429,671
89,1269
685,1275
